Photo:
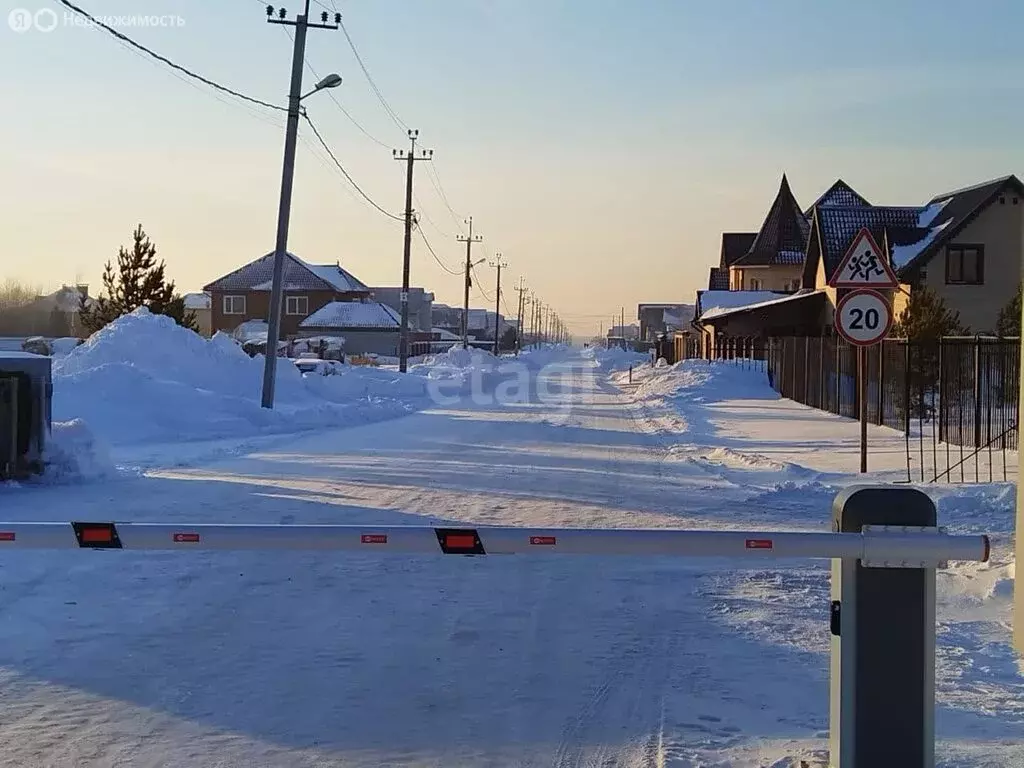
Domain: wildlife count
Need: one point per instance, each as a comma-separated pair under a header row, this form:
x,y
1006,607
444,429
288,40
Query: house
x,y
966,246
199,304
656,319
52,315
420,307
244,294
734,246
367,326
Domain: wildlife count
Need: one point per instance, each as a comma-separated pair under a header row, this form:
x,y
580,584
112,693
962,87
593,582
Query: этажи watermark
x,y
46,20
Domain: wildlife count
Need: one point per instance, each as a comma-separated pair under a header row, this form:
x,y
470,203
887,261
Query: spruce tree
x,y
139,280
927,318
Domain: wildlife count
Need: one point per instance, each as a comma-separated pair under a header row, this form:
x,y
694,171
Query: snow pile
x,y
616,358
75,454
145,379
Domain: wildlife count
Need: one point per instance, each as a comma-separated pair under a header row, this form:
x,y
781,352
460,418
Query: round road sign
x,y
863,317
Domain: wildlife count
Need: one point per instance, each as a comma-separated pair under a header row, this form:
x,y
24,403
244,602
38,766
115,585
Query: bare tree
x,y
14,294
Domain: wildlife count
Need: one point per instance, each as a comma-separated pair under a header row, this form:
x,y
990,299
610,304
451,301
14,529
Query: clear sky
x,y
601,146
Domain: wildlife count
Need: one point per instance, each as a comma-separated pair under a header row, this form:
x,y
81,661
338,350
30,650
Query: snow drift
x,y
145,379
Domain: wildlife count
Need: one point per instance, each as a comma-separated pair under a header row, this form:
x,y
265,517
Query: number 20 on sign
x,y
863,317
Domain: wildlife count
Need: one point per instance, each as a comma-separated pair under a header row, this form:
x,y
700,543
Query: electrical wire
x,y
168,62
437,258
384,102
345,173
476,284
334,98
435,180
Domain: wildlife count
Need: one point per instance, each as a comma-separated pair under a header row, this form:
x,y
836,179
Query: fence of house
x,y
955,399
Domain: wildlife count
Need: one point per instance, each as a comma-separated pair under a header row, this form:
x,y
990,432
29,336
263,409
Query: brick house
x,y
244,294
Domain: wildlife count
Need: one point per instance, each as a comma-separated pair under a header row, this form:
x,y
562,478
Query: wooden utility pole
x,y
468,240
410,159
497,263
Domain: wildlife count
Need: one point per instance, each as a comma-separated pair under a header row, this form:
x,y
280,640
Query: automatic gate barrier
x,y
885,548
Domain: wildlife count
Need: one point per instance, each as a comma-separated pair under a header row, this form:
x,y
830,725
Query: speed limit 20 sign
x,y
863,317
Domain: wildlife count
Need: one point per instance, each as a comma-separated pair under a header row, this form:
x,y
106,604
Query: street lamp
x,y
284,208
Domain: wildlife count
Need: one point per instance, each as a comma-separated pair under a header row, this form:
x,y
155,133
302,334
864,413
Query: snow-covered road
x,y
321,659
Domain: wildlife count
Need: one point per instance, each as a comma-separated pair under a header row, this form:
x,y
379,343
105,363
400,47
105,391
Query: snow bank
x,y
74,454
616,359
144,379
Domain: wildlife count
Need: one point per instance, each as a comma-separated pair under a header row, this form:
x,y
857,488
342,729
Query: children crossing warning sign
x,y
864,266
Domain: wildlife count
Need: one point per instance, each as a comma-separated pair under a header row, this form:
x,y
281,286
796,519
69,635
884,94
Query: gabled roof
x,y
947,214
782,238
839,195
735,246
354,314
718,280
712,301
258,275
911,234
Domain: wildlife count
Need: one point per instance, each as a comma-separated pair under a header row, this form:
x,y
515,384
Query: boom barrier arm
x,y
885,546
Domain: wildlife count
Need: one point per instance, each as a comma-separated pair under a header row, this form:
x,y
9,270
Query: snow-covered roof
x,y
197,301
711,301
904,253
298,276
445,334
353,314
723,311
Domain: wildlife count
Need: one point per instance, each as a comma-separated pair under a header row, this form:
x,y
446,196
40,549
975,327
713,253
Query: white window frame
x,y
300,302
228,304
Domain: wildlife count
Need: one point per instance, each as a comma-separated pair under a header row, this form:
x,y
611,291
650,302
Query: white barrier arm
x,y
908,547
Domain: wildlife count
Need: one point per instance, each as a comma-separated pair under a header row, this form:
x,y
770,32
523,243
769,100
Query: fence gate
x,y
885,547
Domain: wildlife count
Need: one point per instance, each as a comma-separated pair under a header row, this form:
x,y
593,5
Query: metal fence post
x,y
906,407
882,702
977,393
839,378
880,395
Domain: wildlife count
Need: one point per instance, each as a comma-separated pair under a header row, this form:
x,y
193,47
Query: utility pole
x,y
622,317
284,209
410,159
497,301
468,240
519,315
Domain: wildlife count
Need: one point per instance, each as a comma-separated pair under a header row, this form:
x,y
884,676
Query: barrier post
x,y
882,698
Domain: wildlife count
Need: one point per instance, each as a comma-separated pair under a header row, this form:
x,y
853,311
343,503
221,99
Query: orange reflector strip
x,y
542,540
460,541
6,535
186,538
97,535
759,543
374,538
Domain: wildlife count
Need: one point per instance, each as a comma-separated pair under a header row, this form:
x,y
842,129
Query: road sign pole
x,y
862,386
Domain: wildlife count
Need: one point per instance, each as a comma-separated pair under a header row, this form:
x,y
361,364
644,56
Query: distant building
x,y
420,306
656,319
200,305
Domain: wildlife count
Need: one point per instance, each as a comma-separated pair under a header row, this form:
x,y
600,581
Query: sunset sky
x,y
601,147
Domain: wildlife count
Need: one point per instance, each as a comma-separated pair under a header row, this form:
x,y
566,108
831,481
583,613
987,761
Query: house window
x,y
755,284
965,265
791,285
296,305
234,305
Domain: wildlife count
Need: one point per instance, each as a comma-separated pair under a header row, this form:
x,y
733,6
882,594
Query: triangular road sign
x,y
864,266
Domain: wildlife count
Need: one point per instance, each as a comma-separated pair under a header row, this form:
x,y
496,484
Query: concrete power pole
x,y
519,316
410,159
497,263
468,240
284,210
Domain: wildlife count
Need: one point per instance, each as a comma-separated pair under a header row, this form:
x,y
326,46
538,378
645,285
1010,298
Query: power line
x,y
334,98
435,180
168,62
476,284
437,258
384,102
351,181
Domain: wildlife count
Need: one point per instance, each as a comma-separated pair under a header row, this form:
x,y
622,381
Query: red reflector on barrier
x,y
374,538
186,538
102,535
460,541
542,540
759,543
6,535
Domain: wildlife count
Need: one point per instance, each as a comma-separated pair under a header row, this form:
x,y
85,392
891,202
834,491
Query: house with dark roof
x,y
965,245
734,247
244,294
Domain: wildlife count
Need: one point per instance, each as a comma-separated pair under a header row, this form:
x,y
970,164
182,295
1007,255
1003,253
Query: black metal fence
x,y
955,399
